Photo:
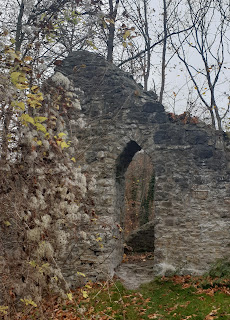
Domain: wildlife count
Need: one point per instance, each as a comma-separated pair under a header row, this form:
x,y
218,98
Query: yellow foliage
x,y
29,302
39,142
19,104
34,99
43,267
126,34
7,223
40,127
26,119
70,296
81,274
3,309
40,119
85,294
63,144
92,44
61,134
33,263
19,80
35,96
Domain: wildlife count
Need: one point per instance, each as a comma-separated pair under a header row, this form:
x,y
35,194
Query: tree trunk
x,y
110,41
19,34
163,66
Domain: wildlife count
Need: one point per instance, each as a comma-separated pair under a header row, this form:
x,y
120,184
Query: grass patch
x,y
178,298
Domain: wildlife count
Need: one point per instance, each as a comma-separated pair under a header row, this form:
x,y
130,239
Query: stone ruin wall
x,y
114,119
191,161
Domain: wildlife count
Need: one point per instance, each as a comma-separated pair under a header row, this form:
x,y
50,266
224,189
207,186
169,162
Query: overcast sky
x,y
177,79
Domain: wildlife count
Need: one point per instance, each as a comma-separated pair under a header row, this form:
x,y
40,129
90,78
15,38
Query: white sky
x,y
177,77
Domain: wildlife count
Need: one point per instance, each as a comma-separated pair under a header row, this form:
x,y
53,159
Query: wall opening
x,y
135,184
139,192
122,164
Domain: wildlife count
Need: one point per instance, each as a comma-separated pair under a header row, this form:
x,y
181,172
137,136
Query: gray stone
x,y
142,239
151,107
196,137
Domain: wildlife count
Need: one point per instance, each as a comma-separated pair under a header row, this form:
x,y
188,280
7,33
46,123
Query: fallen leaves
x,y
212,315
154,316
167,298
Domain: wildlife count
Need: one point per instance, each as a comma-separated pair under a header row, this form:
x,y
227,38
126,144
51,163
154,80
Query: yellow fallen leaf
x,y
70,296
81,274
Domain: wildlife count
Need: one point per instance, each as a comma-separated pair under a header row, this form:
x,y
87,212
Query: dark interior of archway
x,y
125,158
139,193
129,223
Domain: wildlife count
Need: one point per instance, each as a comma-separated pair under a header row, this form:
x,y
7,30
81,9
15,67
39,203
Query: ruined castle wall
x,y
72,220
191,161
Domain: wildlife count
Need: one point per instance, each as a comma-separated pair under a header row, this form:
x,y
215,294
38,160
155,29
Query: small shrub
x,y
221,269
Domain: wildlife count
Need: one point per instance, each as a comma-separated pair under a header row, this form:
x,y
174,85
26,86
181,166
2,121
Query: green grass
x,y
178,298
158,300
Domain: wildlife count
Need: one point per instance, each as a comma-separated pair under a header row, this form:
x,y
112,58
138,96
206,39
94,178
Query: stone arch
x,y
122,164
192,165
141,238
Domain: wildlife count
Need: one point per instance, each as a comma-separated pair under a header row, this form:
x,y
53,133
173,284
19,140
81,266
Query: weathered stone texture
x,y
142,239
191,161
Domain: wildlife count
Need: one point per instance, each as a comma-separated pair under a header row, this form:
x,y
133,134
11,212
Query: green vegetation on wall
x,y
147,201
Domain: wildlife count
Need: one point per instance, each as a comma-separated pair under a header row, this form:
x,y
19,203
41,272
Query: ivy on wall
x,y
147,202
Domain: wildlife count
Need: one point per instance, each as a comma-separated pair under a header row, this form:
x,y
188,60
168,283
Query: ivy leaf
x,y
40,119
34,99
35,96
61,134
14,77
22,86
34,89
40,127
21,105
26,118
19,80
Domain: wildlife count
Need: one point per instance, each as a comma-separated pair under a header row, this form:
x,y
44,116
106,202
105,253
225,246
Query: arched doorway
x,y
135,187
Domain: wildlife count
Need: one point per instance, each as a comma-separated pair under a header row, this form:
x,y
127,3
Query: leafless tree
x,y
207,41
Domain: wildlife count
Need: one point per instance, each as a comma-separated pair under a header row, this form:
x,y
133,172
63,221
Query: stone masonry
x,y
191,161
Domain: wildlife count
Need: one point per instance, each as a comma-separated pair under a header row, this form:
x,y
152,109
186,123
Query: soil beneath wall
x,y
135,270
